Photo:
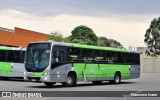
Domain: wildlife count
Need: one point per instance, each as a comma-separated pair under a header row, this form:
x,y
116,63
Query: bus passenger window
x,y
58,56
55,57
74,55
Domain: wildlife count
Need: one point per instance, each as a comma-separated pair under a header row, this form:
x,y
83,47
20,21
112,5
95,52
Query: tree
x,y
152,38
57,36
115,44
83,35
104,42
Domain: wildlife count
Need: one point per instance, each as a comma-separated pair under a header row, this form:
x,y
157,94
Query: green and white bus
x,y
57,62
12,62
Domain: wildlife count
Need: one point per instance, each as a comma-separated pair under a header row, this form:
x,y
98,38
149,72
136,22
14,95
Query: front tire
x,y
71,81
49,84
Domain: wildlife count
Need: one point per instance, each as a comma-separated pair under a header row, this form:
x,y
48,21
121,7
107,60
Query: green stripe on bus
x,y
5,48
5,68
39,73
99,48
100,70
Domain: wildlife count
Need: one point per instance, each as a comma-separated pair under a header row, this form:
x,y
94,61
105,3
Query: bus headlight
x,y
45,78
24,73
45,73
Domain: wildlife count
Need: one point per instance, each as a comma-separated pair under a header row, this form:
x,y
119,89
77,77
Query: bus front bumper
x,y
44,78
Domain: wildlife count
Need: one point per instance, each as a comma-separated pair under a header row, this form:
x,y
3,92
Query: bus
x,y
56,62
12,62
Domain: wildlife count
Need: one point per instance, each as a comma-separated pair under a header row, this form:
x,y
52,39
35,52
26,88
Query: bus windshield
x,y
37,56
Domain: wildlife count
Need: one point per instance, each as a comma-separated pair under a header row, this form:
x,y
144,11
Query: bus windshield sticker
x,y
36,64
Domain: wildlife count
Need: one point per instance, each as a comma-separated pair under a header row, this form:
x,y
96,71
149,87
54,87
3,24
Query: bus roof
x,y
54,43
88,46
99,48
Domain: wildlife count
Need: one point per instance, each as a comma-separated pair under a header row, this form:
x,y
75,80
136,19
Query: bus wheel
x,y
71,81
117,79
49,84
96,82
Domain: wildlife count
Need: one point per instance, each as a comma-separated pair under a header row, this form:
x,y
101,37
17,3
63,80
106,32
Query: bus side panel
x,y
18,70
59,73
79,68
108,70
5,68
91,72
135,71
87,71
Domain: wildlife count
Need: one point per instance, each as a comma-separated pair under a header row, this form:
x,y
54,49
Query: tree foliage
x,y
57,36
115,44
83,35
104,42
152,38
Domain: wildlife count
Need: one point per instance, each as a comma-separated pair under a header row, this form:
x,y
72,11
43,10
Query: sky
x,y
123,20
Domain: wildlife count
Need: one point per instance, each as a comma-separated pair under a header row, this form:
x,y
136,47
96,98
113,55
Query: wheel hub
x,y
69,80
117,79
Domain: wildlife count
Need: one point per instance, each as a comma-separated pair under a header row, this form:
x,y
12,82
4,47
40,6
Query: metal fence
x,y
150,65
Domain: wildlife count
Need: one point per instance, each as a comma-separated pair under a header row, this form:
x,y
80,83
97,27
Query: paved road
x,y
147,82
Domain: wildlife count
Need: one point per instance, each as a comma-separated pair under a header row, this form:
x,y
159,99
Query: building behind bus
x,y
20,37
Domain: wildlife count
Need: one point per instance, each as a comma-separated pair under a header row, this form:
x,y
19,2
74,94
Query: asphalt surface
x,y
146,82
